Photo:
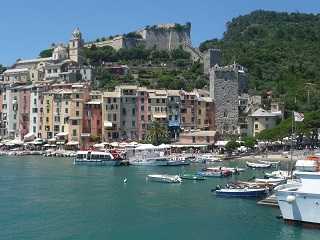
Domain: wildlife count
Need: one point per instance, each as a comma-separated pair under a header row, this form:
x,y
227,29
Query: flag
x,y
298,117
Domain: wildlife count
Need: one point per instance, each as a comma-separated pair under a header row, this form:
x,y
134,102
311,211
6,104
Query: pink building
x,y
92,123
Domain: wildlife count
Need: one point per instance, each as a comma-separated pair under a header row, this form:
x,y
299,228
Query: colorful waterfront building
x,y
143,114
111,107
174,113
128,113
92,120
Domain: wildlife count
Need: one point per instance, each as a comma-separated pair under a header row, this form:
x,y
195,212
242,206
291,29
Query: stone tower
x,y
211,58
224,89
75,46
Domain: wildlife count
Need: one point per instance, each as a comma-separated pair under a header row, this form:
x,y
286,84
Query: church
x,y
66,65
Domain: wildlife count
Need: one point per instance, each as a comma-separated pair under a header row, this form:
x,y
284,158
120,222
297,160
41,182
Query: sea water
x,y
50,198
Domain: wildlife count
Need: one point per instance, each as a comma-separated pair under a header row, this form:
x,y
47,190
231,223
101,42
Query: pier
x,y
269,201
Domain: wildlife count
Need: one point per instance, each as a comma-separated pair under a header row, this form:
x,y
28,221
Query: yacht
x,y
300,202
95,158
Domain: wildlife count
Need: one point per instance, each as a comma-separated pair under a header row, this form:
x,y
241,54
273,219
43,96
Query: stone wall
x,y
224,90
166,37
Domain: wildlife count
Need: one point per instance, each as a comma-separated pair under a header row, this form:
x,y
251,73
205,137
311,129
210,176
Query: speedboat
x,y
215,173
299,202
233,170
164,178
192,177
258,165
278,174
156,161
95,158
272,163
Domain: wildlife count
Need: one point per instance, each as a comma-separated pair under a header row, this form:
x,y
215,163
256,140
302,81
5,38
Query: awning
x,y
99,145
52,140
114,144
29,137
107,124
60,142
62,134
160,115
14,142
72,143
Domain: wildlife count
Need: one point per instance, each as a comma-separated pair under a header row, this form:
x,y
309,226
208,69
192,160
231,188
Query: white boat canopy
x,y
29,137
62,134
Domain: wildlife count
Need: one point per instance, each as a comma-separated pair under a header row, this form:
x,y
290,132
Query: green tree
x,y
249,142
46,53
2,68
157,134
231,146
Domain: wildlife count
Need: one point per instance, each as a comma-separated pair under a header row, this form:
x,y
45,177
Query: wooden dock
x,y
269,201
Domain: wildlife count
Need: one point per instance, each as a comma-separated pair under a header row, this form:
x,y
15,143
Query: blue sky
x,y
30,26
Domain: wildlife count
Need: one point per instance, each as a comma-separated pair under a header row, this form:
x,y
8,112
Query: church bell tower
x,y
75,47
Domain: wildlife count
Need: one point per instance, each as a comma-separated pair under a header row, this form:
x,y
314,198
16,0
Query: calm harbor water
x,y
49,198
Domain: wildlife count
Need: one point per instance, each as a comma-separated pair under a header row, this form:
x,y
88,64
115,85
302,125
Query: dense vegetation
x,y
308,128
148,67
281,52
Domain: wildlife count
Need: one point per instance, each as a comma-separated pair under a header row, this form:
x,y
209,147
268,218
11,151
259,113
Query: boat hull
x,y
305,208
97,162
241,193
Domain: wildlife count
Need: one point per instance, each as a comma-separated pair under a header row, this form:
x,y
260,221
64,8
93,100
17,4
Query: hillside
x,y
281,51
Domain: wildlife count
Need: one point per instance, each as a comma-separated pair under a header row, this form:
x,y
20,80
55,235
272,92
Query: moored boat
x,y
164,178
215,173
208,158
95,158
241,192
272,163
299,202
258,165
192,177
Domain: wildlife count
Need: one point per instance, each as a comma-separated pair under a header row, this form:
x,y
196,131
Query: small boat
x,y
240,192
258,165
192,177
208,158
156,161
272,163
215,173
272,181
278,174
178,161
233,170
164,178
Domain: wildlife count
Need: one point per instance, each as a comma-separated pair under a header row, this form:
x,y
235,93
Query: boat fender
x,y
291,199
125,180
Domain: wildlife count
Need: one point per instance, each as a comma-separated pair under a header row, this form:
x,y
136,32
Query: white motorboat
x,y
178,161
95,158
233,170
208,158
156,161
258,165
300,201
272,163
164,178
271,181
278,174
